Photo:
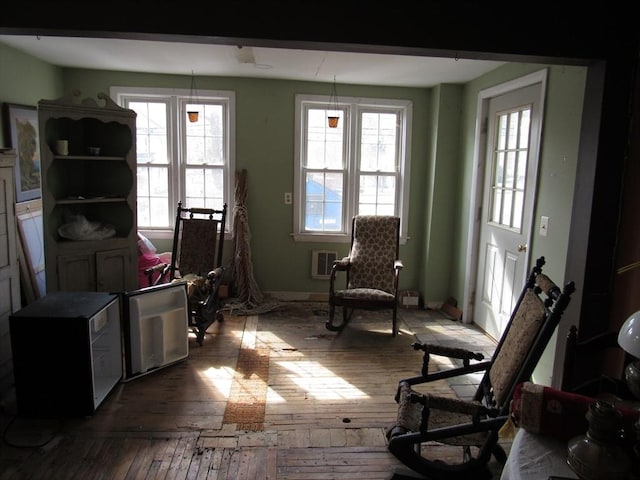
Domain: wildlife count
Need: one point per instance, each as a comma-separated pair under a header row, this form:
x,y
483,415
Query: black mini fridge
x,y
70,349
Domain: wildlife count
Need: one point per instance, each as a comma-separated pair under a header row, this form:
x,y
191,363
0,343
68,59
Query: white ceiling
x,y
260,62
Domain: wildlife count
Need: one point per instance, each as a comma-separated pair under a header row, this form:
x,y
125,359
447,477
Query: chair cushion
x,y
365,294
193,258
409,416
516,346
373,252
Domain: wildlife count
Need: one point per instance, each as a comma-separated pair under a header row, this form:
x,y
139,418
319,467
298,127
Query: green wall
x,y
24,80
435,255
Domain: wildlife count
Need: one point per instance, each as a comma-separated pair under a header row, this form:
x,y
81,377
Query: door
x,y
509,188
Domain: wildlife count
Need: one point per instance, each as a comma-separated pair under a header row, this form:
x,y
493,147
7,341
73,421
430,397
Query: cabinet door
x,y
113,268
9,274
77,273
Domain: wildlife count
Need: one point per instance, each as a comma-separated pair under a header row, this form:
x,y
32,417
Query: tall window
x,y
359,167
179,160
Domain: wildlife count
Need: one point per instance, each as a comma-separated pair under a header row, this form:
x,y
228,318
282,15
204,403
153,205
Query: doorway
x,y
510,119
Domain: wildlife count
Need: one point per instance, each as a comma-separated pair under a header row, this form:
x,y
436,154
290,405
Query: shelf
x,y
80,201
88,157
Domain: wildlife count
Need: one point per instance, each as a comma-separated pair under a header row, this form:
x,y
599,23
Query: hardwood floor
x,y
275,396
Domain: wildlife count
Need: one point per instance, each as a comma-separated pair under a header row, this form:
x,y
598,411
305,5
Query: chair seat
x,y
409,419
371,294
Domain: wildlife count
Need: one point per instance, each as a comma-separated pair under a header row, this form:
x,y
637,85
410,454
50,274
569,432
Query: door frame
x,y
478,171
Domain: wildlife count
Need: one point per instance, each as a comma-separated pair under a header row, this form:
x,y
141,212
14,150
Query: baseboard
x,y
298,296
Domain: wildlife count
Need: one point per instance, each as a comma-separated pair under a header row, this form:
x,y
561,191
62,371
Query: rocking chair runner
x,y
196,258
474,425
372,270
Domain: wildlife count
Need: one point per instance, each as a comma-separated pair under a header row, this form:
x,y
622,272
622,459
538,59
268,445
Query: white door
x,y
513,124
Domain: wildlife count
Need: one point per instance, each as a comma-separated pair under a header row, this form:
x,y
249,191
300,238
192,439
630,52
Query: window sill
x,y
322,237
330,238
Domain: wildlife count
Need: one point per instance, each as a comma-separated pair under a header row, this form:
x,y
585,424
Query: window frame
x,y
351,108
177,99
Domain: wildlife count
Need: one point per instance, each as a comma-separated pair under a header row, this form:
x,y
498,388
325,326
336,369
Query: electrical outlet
x,y
544,226
287,198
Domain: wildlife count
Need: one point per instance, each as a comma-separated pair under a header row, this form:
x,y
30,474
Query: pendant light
x,y
193,114
333,114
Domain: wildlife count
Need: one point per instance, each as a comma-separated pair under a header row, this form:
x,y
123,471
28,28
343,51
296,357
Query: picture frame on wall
x,y
21,130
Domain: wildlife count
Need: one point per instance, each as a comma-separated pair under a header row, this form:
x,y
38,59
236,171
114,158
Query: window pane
x,y
506,211
502,132
324,144
377,194
323,201
378,149
513,130
151,132
204,187
510,170
205,138
525,121
496,205
518,209
522,169
153,196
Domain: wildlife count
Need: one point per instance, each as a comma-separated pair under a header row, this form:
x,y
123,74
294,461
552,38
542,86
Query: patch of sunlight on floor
x,y
221,378
320,382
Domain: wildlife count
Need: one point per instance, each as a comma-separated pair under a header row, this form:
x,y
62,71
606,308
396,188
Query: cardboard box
x,y
410,299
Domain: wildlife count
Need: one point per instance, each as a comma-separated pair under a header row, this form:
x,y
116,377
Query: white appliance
x,y
155,327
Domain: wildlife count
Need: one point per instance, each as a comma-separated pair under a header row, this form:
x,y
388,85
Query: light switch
x,y
544,225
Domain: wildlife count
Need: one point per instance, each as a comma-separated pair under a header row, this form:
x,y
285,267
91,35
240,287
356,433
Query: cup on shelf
x,y
62,147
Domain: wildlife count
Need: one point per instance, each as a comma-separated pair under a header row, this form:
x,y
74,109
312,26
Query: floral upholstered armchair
x,y
371,270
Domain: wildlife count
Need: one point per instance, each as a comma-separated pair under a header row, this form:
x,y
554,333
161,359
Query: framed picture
x,y
21,130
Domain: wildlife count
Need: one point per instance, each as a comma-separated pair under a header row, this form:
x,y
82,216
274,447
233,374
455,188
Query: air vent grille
x,y
321,262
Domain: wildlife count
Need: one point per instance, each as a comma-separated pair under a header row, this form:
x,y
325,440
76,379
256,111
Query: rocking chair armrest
x,y
162,269
215,273
156,268
338,266
445,351
342,264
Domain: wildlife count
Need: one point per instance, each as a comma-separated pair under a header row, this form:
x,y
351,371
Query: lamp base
x,y
632,376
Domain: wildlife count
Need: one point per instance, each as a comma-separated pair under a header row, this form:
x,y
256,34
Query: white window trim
x,y
117,93
355,104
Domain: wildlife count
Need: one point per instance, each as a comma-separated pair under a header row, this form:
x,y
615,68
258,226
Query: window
x,y
179,160
359,167
509,167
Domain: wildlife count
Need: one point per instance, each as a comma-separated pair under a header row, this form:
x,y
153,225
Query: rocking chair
x,y
425,420
372,270
196,258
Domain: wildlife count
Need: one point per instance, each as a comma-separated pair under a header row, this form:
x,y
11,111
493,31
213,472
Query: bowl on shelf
x,y
93,150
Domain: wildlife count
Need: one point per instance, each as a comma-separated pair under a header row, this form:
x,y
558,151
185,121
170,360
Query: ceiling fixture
x,y
245,55
193,114
333,115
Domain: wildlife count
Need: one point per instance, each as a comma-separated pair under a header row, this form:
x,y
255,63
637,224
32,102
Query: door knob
x,y
522,247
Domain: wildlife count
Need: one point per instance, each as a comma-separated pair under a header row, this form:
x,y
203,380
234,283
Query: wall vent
x,y
321,262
